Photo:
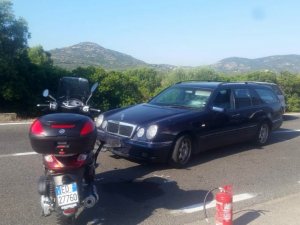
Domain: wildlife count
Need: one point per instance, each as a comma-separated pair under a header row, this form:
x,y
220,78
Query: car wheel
x,y
263,133
182,151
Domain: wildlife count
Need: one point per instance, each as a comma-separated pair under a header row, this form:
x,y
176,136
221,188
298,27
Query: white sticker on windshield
x,y
202,93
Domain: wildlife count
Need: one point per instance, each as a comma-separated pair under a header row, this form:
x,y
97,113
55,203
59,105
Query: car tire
x,y
182,151
263,133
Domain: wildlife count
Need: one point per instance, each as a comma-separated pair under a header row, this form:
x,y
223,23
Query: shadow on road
x,y
248,216
126,197
287,117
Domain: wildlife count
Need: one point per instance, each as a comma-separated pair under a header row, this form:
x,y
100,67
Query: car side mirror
x,y
218,109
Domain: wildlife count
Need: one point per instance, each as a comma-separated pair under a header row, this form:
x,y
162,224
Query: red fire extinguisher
x,y
224,206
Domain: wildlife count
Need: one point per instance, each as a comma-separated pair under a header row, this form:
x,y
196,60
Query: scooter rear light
x,y
65,162
37,128
87,128
82,157
52,162
70,211
80,161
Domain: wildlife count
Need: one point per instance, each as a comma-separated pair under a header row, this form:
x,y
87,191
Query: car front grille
x,y
120,128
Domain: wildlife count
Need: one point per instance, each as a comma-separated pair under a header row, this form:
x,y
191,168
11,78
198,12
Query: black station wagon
x,y
190,117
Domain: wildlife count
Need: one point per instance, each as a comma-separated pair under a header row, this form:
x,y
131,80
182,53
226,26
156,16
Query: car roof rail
x,y
238,82
194,81
231,82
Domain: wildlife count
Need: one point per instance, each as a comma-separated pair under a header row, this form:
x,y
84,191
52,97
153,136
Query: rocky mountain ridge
x,y
91,54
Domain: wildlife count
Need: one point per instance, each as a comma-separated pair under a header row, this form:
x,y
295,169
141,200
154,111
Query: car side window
x,y
267,96
242,98
255,98
222,99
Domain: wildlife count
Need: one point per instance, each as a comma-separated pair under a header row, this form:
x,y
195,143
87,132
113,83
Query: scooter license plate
x,y
66,194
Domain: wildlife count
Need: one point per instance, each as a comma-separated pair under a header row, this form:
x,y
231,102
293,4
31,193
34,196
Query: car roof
x,y
213,85
261,82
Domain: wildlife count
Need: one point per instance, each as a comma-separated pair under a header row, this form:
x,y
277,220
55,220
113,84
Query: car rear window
x,y
277,90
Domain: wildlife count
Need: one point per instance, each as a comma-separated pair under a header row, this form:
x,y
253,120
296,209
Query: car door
x,y
242,118
217,126
232,117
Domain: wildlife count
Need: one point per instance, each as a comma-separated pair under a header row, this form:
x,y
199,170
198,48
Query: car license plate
x,y
113,143
66,194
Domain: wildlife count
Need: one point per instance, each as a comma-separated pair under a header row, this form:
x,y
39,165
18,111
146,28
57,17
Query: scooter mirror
x,y
93,88
46,93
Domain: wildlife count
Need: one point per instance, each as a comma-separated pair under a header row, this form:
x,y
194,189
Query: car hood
x,y
146,113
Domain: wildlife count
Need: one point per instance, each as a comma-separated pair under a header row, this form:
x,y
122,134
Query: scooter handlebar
x,y
43,105
95,110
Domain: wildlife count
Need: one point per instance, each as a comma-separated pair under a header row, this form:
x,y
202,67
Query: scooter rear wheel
x,y
62,219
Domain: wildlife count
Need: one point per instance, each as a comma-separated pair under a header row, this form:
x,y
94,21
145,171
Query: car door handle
x,y
235,115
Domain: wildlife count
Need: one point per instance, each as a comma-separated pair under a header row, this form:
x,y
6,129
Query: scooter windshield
x,y
73,87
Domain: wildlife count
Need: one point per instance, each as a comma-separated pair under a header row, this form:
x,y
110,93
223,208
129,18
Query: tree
x,y
38,56
293,103
117,90
148,81
13,32
13,56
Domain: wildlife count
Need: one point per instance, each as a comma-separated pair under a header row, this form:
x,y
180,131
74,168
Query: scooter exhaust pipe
x,y
89,201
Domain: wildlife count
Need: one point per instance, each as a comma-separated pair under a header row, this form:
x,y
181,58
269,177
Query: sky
x,y
176,32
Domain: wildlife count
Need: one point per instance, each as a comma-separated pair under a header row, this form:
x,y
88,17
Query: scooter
x,y
66,139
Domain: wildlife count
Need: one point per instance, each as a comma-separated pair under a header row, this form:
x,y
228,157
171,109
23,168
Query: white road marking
x,y
19,123
99,179
212,204
285,131
18,154
291,114
161,176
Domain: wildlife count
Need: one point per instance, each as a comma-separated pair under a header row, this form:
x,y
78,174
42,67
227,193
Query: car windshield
x,y
73,87
183,97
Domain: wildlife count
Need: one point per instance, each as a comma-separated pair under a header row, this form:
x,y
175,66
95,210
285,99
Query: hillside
x,y
276,63
90,54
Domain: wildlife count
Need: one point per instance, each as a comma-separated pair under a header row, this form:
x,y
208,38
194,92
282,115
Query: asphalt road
x,y
131,193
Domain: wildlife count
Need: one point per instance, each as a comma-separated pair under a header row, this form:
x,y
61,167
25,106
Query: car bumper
x,y
276,124
137,150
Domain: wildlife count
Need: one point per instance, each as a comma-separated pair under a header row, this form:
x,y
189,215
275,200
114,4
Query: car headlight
x,y
151,131
99,120
104,124
140,132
